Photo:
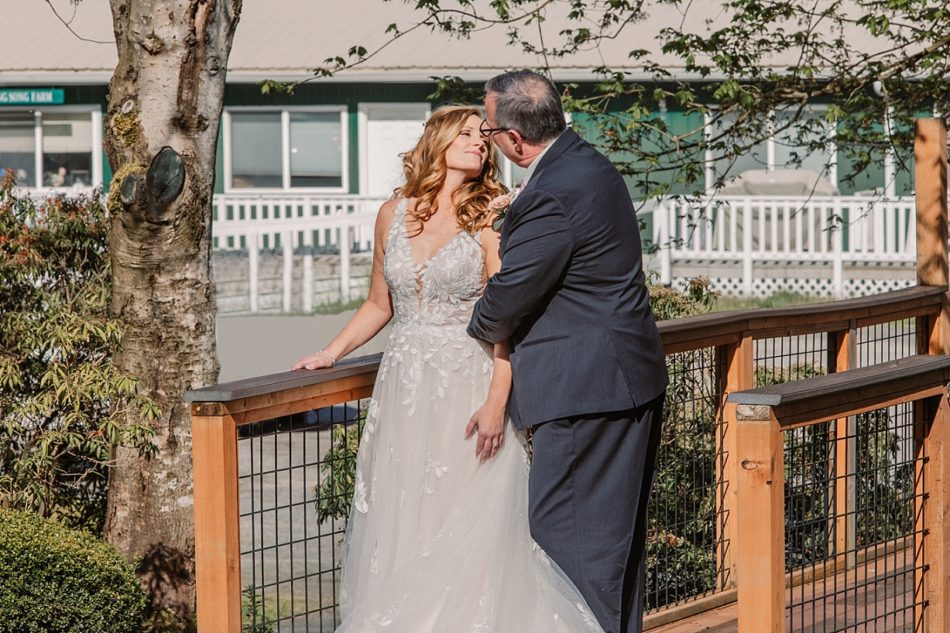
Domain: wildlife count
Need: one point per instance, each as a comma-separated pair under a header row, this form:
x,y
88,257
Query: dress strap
x,y
399,220
401,208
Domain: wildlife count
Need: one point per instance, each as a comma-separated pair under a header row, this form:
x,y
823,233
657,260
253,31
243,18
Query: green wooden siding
x,y
354,148
678,123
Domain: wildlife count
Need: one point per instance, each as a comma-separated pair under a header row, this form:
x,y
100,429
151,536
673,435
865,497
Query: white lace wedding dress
x,y
436,542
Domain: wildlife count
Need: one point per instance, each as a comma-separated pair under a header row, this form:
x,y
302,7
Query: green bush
x,y
338,468
54,579
61,398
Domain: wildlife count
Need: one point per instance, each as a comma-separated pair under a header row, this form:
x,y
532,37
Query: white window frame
x,y
285,113
95,114
770,145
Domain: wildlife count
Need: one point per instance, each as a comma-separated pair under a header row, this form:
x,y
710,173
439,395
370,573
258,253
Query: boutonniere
x,y
500,206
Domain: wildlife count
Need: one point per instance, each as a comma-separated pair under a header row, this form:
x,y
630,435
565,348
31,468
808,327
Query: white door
x,y
386,131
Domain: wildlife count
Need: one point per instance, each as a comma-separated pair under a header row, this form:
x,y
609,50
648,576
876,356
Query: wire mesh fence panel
x,y
782,359
809,533
809,495
686,535
295,488
852,550
885,342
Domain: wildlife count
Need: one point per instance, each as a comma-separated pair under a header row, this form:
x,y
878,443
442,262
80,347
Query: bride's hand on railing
x,y
489,422
315,361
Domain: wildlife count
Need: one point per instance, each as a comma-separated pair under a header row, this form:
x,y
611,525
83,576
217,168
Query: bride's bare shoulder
x,y
387,211
386,214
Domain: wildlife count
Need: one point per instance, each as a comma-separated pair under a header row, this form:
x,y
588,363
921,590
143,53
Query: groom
x,y
588,367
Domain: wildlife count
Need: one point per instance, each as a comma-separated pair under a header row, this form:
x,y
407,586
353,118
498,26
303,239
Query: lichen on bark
x,y
114,202
125,125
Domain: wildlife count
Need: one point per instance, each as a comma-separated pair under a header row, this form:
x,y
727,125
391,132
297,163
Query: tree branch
x,y
68,25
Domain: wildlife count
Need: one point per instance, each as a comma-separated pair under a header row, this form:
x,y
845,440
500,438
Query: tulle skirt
x,y
436,541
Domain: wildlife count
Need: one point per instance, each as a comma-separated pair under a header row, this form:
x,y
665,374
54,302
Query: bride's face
x,y
469,151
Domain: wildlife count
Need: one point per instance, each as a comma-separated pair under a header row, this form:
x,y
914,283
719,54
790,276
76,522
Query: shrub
x,y
338,468
54,579
61,399
254,613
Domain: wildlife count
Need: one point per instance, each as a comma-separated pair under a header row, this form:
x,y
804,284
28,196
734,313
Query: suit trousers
x,y
588,492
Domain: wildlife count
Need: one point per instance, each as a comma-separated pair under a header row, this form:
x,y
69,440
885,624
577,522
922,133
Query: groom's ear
x,y
515,138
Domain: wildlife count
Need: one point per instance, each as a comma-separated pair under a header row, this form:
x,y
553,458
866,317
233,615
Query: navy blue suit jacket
x,y
571,295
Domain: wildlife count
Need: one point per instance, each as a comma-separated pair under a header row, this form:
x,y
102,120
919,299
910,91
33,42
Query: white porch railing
x,y
293,226
748,231
743,240
741,243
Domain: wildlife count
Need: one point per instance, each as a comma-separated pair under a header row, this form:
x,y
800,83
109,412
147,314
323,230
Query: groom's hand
x,y
489,422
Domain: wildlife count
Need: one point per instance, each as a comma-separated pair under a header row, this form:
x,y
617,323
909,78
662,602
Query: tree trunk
x,y
165,102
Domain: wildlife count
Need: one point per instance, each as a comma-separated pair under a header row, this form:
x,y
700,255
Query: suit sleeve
x,y
537,252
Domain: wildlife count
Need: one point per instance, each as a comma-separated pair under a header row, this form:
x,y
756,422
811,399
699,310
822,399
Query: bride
x,y
437,540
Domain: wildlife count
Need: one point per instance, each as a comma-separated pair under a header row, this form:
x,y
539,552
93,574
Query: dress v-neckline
x,y
412,258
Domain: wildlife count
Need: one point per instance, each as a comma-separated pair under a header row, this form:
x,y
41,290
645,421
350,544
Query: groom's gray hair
x,y
529,103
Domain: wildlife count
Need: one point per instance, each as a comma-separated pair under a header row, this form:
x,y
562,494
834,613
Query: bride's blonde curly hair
x,y
425,169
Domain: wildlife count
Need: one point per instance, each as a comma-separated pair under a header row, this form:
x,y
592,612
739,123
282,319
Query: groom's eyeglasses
x,y
488,132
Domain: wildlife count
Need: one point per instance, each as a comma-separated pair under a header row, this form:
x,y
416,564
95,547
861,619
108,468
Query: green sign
x,y
32,96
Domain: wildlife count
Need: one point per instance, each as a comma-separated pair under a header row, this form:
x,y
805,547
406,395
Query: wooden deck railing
x,y
763,415
218,412
739,345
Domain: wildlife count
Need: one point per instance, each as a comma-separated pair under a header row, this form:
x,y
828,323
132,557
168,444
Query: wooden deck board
x,y
859,600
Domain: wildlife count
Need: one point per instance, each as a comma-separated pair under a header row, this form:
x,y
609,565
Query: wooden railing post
x,y
761,521
217,539
932,514
842,350
930,167
932,505
736,362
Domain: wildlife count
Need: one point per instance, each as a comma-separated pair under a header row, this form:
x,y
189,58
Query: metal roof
x,y
284,39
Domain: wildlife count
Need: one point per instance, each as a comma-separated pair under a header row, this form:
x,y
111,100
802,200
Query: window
x,y
52,148
67,150
255,150
794,146
18,146
290,149
752,156
804,144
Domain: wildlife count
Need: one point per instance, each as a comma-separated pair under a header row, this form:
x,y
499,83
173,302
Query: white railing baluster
x,y
345,238
773,233
734,226
661,229
799,230
891,244
307,287
837,266
746,247
684,236
252,262
287,241
787,211
879,234
720,218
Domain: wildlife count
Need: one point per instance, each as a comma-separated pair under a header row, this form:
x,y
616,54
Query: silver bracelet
x,y
332,358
